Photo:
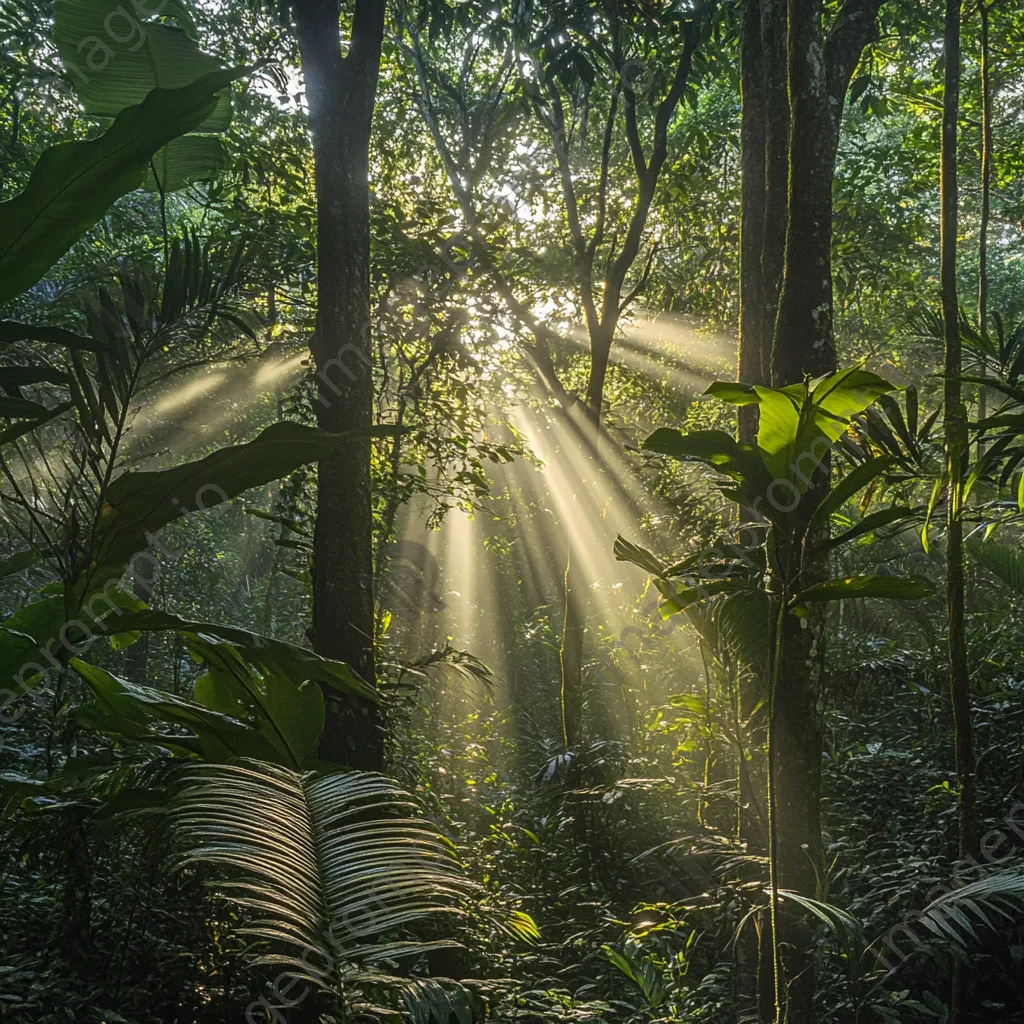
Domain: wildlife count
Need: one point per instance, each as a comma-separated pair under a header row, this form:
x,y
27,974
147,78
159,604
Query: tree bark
x,y
987,153
340,92
570,653
818,73
755,325
764,116
955,418
776,171
803,341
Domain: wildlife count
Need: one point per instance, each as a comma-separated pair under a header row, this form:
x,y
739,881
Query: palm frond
x,y
955,914
331,865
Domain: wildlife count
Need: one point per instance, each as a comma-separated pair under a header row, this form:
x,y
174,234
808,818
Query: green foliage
x,y
331,885
75,182
126,57
138,503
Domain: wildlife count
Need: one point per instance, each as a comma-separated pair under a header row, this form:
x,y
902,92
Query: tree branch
x,y
855,27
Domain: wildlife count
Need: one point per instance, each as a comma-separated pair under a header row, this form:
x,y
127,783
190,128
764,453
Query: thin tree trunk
x,y
340,92
762,232
755,325
986,196
956,448
570,654
803,341
776,171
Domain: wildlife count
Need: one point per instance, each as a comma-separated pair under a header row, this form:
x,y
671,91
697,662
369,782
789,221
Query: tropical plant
x,y
342,878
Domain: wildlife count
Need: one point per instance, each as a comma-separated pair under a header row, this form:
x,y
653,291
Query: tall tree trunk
x,y
803,341
986,194
955,417
776,172
340,92
762,233
755,325
803,344
818,73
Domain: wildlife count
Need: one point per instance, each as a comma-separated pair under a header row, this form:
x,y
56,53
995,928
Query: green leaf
x,y
131,709
742,624
185,161
846,927
331,865
142,502
628,552
24,634
289,714
74,183
875,521
1001,560
12,331
263,652
843,491
722,452
930,511
733,392
18,563
115,61
863,586
19,408
803,421
25,376
679,597
17,430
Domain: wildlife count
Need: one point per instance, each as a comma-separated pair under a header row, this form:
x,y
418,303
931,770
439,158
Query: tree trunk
x,y
340,93
776,172
986,196
570,654
755,325
803,342
955,417
762,232
818,75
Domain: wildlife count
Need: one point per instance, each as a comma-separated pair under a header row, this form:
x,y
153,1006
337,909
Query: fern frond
x,y
329,865
954,914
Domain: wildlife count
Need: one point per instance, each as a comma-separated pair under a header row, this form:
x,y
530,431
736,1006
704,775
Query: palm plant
x,y
344,880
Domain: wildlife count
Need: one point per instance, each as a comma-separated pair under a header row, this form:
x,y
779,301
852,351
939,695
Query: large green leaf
x,y
184,161
722,452
798,424
74,183
733,392
854,481
115,59
288,714
626,551
13,330
16,430
25,634
132,710
739,622
263,652
19,408
140,503
883,517
34,635
18,563
26,376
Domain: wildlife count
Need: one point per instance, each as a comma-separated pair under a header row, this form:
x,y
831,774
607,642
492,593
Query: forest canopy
x,y
511,511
